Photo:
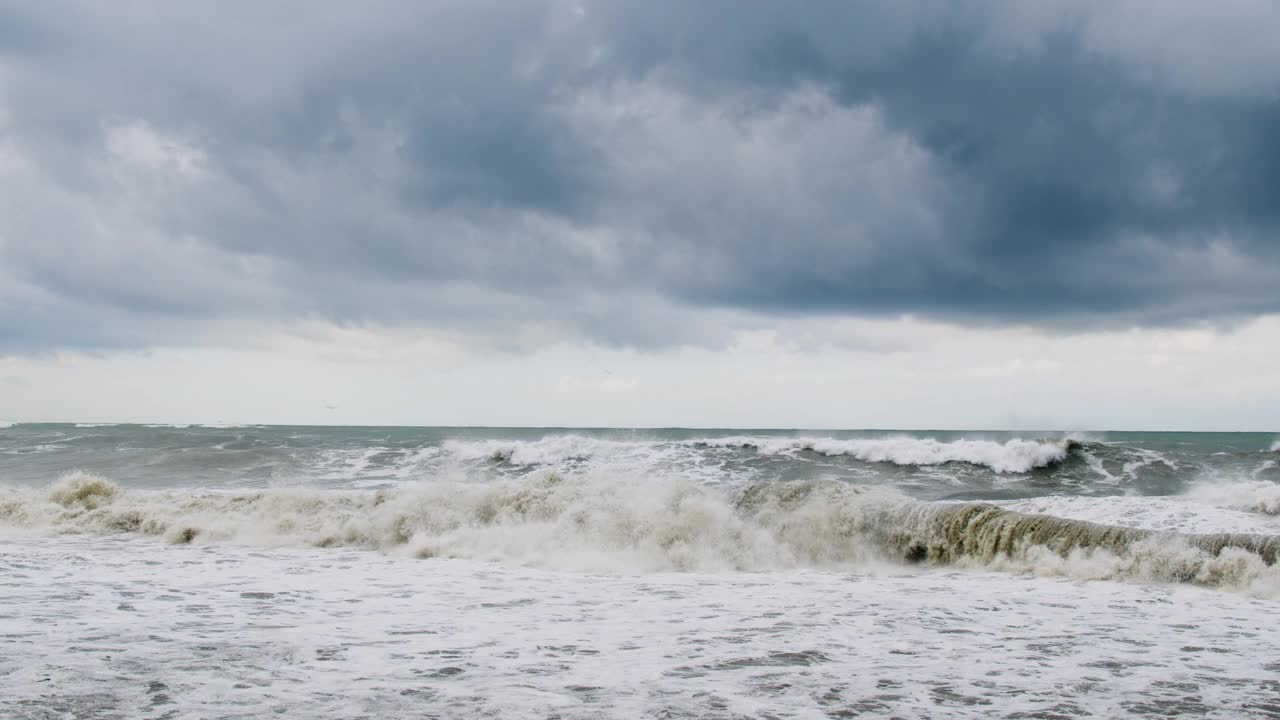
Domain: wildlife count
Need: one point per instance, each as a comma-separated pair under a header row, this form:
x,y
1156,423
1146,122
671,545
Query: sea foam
x,y
1257,496
1013,456
1172,513
596,523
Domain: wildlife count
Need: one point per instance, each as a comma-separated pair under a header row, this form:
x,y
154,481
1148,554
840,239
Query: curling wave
x,y
603,524
979,534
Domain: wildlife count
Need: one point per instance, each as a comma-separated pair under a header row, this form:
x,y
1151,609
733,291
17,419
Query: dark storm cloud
x,y
617,170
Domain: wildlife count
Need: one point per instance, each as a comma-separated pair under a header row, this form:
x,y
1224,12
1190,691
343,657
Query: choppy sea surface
x,y
250,572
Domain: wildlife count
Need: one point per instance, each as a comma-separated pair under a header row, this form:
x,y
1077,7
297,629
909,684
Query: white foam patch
x,y
107,628
1096,465
575,453
1181,514
1255,496
1145,459
1014,456
551,450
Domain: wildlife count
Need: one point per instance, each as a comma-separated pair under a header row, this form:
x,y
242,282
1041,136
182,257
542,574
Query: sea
x,y
170,571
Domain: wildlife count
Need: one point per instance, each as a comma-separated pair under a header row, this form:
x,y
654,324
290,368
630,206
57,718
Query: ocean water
x,y
248,572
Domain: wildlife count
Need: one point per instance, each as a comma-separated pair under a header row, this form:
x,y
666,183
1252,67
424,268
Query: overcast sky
x,y
829,214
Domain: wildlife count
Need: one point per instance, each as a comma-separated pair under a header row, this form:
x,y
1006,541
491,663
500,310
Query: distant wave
x,y
1275,446
96,425
6,424
1011,456
1014,456
602,524
549,450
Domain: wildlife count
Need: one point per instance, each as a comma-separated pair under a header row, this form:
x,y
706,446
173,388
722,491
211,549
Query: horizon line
x,y
797,428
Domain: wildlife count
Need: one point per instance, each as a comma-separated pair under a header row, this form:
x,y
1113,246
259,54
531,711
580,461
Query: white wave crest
x,y
1015,456
1146,458
619,525
1256,496
6,424
588,523
1275,446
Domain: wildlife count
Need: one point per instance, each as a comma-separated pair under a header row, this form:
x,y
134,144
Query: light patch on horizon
x,y
934,376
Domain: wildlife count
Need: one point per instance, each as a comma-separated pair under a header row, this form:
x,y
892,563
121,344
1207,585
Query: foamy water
x,y
1010,456
255,572
102,628
1206,509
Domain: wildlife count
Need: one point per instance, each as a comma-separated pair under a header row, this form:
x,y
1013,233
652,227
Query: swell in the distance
x,y
1013,456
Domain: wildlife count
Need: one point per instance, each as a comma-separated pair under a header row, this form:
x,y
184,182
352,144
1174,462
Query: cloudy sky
x,y
831,214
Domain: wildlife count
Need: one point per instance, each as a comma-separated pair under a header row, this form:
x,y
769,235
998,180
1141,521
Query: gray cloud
x,y
633,173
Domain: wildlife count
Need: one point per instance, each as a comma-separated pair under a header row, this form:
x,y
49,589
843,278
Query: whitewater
x,y
232,572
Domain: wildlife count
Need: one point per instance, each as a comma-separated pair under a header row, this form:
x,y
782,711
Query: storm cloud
x,y
640,174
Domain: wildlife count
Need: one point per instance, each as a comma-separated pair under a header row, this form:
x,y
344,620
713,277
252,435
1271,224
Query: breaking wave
x,y
603,524
1275,446
1257,496
1016,456
1013,456
1170,513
